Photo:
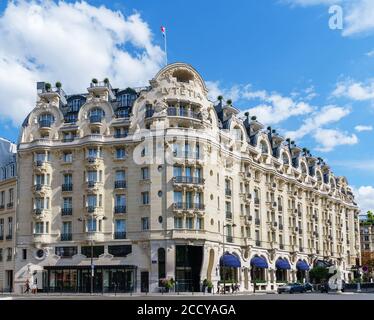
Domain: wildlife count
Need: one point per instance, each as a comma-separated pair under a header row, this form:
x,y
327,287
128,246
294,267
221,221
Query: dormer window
x,y
74,105
126,100
264,148
46,120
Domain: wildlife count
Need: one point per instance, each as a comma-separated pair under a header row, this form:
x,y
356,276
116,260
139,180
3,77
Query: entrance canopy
x,y
302,265
259,262
282,264
230,261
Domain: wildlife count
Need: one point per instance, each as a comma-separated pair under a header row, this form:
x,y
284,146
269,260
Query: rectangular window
x,y
39,228
95,250
24,254
67,203
1,254
11,195
199,223
177,170
68,179
10,226
120,225
145,223
66,252
92,200
120,251
68,157
178,223
120,153
120,200
66,227
91,225
1,229
145,173
2,198
178,198
189,223
120,175
145,197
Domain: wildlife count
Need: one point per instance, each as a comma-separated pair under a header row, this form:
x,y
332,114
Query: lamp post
x,y
223,245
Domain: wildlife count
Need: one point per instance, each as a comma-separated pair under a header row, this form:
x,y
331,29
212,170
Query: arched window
x,y
161,264
303,168
46,120
96,114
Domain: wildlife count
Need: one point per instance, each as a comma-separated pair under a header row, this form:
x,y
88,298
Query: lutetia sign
x,y
179,91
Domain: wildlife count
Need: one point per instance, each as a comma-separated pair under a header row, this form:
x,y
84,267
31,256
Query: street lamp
x,y
92,274
223,244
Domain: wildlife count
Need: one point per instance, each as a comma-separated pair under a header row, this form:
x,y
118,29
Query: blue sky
x,y
276,58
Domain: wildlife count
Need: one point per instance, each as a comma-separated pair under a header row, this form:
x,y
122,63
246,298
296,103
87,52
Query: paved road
x,y
258,296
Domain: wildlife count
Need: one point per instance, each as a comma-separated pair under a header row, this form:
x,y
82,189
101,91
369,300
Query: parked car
x,y
291,288
308,287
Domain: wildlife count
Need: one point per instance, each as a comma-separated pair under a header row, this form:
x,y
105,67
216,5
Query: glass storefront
x,y
78,279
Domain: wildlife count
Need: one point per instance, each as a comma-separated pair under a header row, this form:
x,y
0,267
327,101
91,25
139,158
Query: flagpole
x,y
166,52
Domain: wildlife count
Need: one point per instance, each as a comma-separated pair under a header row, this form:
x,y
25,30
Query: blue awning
x,y
302,265
230,261
282,264
259,262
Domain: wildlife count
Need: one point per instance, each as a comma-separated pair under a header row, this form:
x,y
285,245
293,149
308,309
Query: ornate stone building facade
x,y
159,182
7,213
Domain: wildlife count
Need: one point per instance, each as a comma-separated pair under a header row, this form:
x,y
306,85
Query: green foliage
x,y
317,274
94,80
48,86
369,220
58,84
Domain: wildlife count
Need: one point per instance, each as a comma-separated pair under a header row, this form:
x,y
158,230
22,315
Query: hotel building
x,y
7,213
159,182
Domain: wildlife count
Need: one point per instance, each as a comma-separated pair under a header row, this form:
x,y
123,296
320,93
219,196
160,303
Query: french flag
x,y
163,30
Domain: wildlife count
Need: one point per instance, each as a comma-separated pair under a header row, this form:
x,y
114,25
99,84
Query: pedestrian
x,y
27,285
34,288
232,287
218,287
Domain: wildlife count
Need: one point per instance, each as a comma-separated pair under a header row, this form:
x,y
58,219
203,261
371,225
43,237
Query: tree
x,y
317,274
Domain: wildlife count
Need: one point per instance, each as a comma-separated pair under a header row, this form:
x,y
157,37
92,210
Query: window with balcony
x,y
120,180
67,182
120,203
121,133
96,115
66,234
46,120
120,229
145,223
67,206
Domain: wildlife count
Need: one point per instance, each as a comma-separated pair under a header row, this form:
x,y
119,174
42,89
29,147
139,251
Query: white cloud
x,y
364,196
355,90
272,107
361,128
72,43
328,139
370,53
358,14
